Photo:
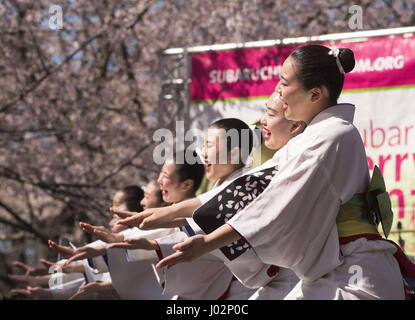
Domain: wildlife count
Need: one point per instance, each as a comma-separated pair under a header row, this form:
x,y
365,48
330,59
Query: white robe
x,y
251,271
206,278
209,276
131,270
293,222
64,285
133,278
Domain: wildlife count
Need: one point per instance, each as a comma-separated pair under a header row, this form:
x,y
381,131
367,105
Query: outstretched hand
x,y
34,281
199,245
33,292
30,271
89,288
66,252
122,213
84,253
186,251
102,233
170,216
159,218
136,219
136,243
55,267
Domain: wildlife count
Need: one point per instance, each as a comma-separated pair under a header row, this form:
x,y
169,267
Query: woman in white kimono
x,y
206,278
43,284
108,270
177,182
292,223
96,280
247,268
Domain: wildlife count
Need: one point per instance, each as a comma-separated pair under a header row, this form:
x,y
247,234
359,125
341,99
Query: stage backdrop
x,y
236,83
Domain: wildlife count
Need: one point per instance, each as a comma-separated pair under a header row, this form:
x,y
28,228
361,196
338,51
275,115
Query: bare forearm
x,y
176,222
221,237
185,208
198,245
42,281
106,286
79,268
169,217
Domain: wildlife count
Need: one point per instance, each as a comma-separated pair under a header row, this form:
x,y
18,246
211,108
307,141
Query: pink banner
x,y
244,73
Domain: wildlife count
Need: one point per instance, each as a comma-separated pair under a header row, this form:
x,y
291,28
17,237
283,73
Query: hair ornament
x,y
335,53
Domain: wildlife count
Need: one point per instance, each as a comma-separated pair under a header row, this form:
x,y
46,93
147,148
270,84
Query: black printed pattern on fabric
x,y
230,201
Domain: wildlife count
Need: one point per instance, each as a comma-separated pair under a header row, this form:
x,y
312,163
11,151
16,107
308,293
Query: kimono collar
x,y
233,175
344,111
237,173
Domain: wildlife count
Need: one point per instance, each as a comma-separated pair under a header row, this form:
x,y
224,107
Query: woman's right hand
x,y
102,233
30,271
85,252
54,267
65,251
136,219
37,293
122,213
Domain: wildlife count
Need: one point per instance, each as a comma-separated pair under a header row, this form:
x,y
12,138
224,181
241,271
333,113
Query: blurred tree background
x,y
78,105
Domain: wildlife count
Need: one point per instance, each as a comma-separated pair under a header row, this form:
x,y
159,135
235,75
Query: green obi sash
x,y
364,211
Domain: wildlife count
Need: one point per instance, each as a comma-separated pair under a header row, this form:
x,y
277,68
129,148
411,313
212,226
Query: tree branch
x,y
10,223
124,164
24,224
26,91
142,14
133,83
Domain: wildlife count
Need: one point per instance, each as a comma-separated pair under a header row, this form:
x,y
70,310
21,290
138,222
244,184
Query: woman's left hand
x,y
186,251
84,253
101,233
136,243
89,288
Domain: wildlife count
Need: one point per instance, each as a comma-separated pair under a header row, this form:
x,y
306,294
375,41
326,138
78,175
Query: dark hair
x,y
132,197
317,68
240,126
188,169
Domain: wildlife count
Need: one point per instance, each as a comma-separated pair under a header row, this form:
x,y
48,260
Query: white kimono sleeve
x,y
133,280
251,271
145,255
204,278
64,285
247,268
93,276
293,222
99,263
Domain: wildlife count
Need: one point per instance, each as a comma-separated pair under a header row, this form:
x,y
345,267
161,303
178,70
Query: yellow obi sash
x,y
364,211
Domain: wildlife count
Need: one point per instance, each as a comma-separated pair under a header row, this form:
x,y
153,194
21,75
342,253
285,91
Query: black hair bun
x,y
347,60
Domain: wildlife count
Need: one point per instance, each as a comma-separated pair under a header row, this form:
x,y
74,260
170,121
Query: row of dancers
x,y
302,225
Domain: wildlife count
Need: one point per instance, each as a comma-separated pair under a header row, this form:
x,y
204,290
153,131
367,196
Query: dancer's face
x,y
275,127
118,201
217,158
292,94
151,199
169,183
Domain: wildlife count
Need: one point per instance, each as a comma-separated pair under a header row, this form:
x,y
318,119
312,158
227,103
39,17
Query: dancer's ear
x,y
187,185
297,127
